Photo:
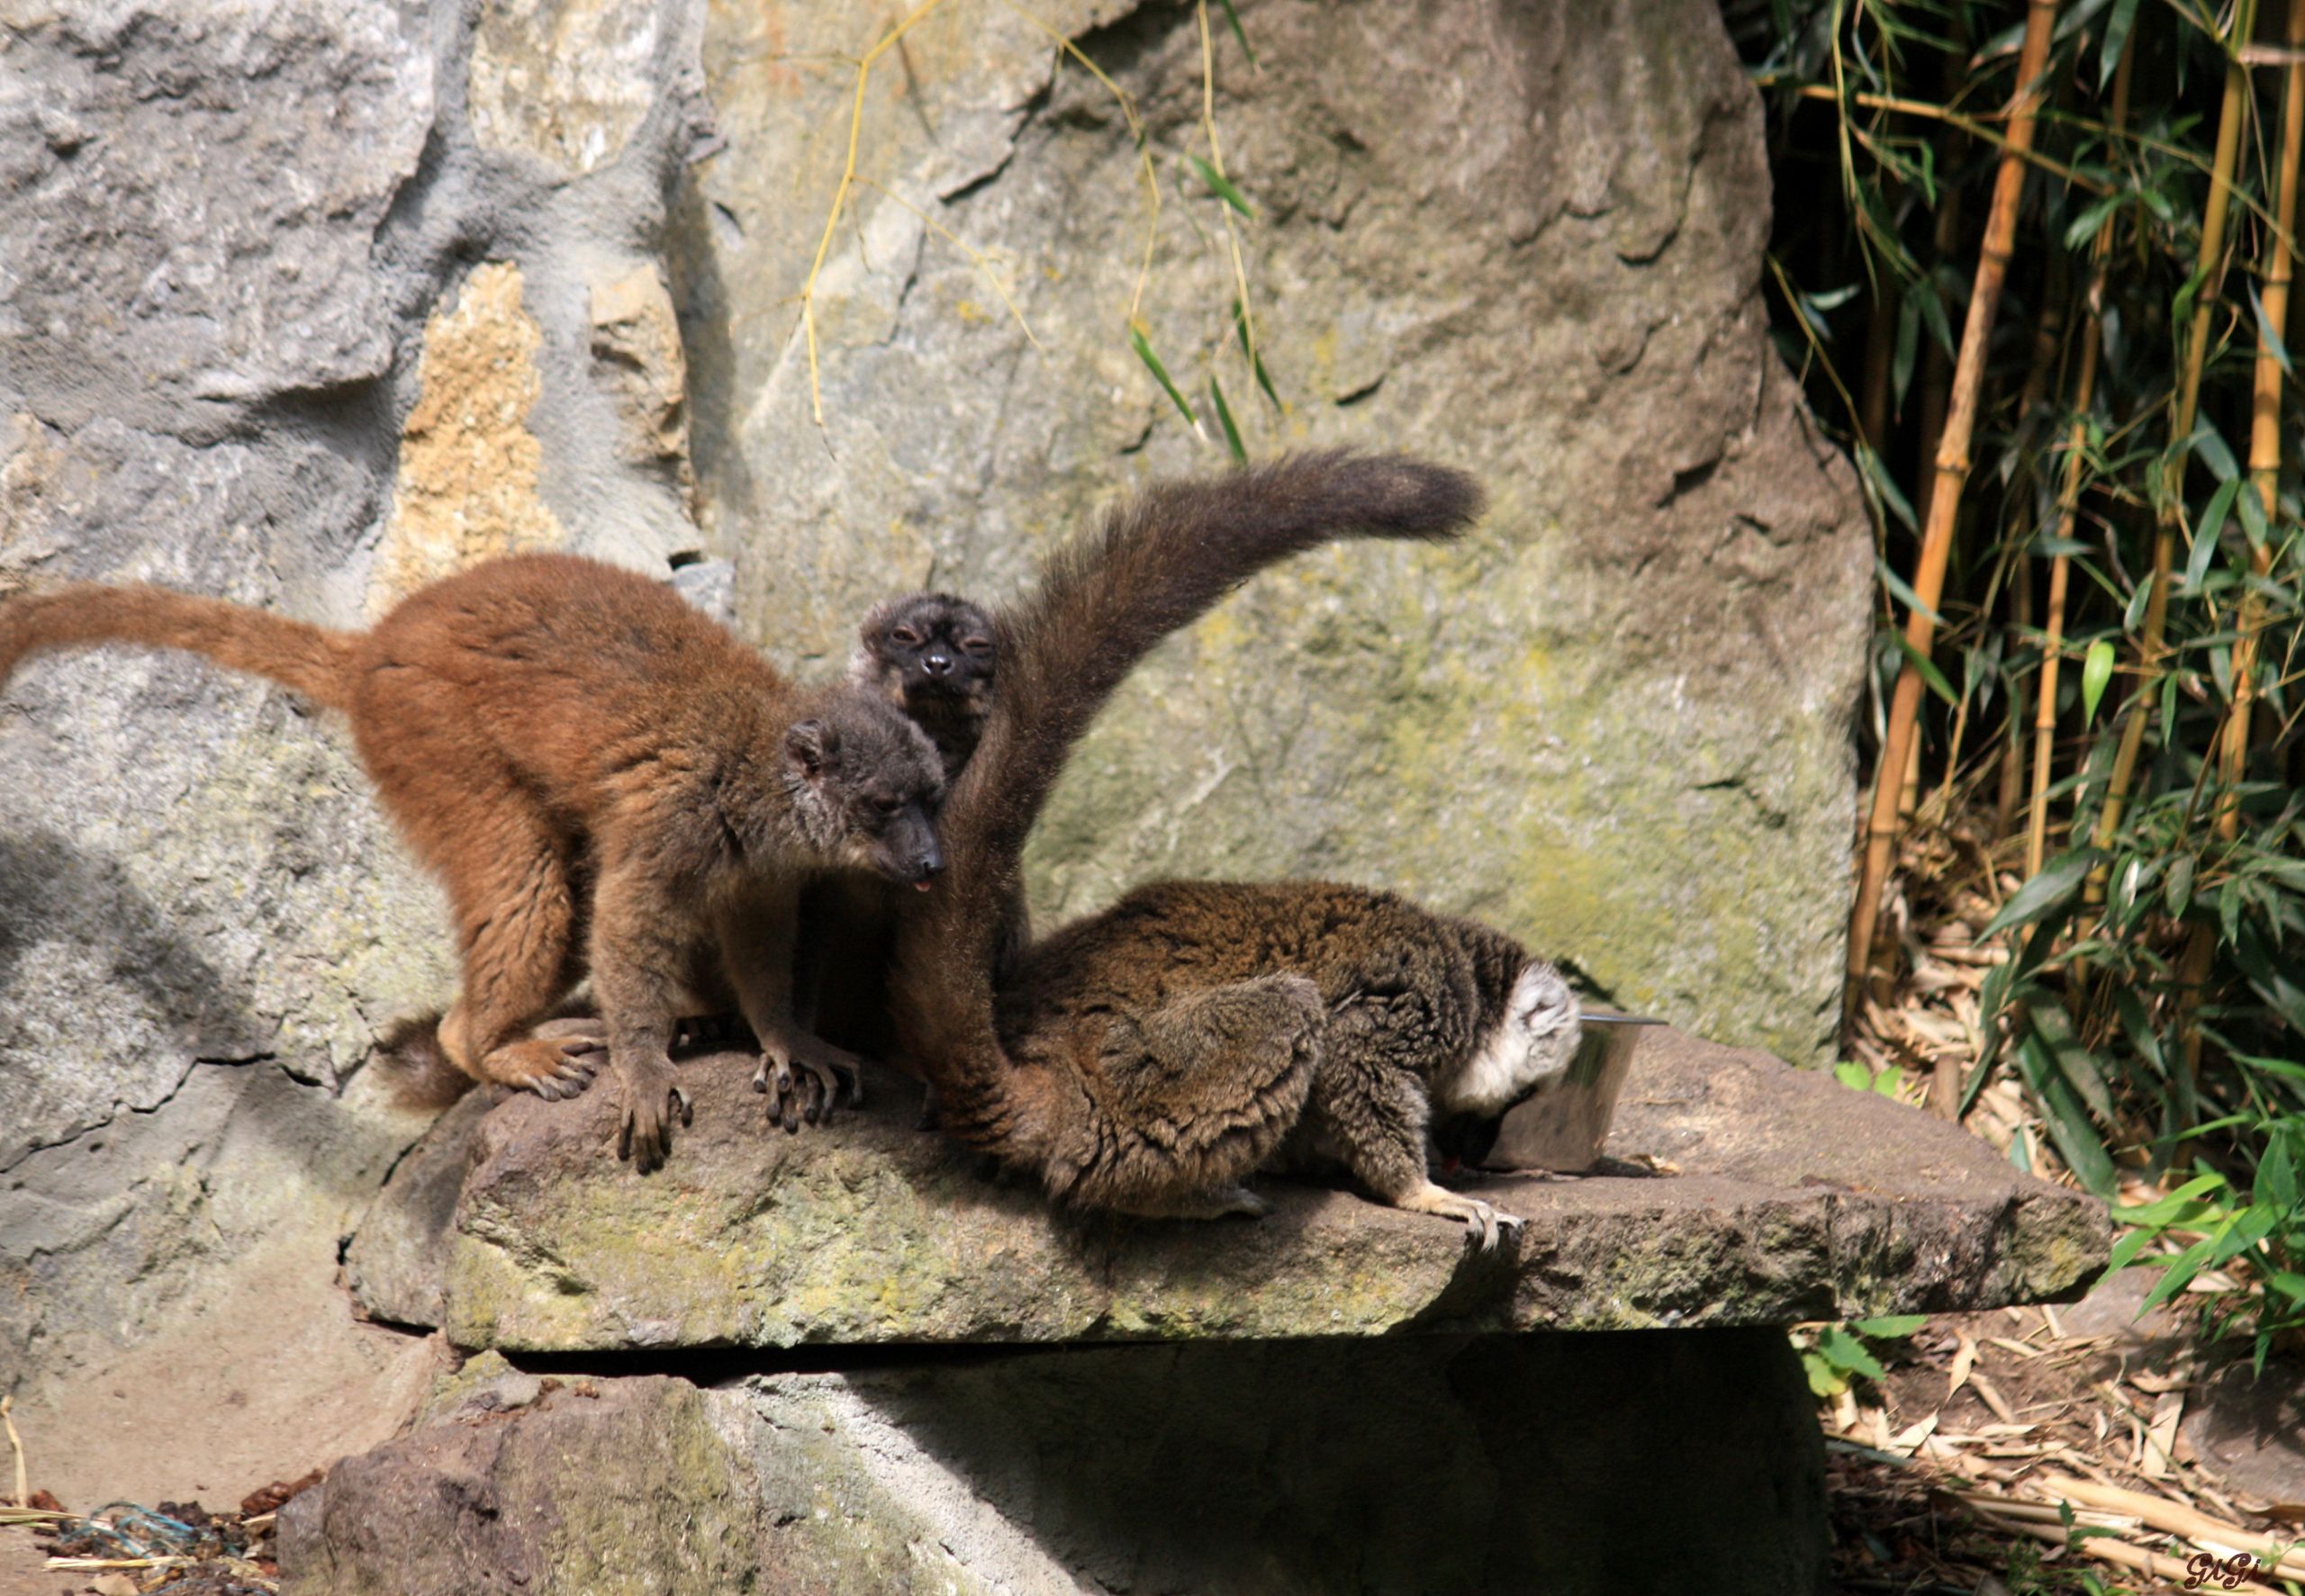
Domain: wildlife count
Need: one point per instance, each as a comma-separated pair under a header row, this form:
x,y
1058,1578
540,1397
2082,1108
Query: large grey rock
x,y
276,323
1433,1464
1526,238
1790,1198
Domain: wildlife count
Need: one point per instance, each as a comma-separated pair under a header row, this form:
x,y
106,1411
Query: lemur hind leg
x,y
516,921
1207,1085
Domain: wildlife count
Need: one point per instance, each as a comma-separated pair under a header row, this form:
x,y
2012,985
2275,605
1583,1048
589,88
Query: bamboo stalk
x,y
2200,956
2151,650
2068,510
2012,752
2264,425
2172,1518
2152,1565
1952,468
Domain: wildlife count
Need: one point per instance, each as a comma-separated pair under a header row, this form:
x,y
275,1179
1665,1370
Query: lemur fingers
x,y
1484,1225
553,1067
803,1078
651,1103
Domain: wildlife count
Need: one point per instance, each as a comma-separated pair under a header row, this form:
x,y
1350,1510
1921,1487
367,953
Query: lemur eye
x,y
887,805
977,644
907,636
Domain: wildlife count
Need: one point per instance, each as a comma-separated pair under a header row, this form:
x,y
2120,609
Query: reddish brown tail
x,y
312,660
1102,604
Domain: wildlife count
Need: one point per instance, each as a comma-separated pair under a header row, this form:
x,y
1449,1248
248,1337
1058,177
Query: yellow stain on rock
x,y
468,463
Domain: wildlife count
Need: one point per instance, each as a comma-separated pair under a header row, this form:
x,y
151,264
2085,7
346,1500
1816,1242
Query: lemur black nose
x,y
928,866
937,664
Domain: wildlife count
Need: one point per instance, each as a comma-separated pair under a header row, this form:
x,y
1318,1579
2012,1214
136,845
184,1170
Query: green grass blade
x,y
1222,186
1161,374
1234,17
1224,419
1255,356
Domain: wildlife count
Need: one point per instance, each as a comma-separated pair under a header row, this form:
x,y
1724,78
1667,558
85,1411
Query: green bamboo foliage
x,y
2114,625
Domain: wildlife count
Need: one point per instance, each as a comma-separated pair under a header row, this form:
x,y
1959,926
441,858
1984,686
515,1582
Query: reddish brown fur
x,y
601,777
1127,1115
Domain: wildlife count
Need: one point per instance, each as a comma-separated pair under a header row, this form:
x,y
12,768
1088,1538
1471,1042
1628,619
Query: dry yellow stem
x,y
2084,392
17,1449
2214,215
849,179
1952,468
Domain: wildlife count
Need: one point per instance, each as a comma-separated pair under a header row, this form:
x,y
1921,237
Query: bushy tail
x,y
312,660
1102,603
415,1067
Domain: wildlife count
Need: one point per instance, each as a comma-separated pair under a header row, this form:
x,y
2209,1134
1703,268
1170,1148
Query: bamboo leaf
x,y
1224,419
1885,486
2096,671
2269,335
2109,53
1908,349
1161,374
2077,1140
2253,518
1930,674
2137,600
1221,187
1903,589
2177,887
2125,1251
2212,523
2080,1067
2211,448
2083,227
2057,881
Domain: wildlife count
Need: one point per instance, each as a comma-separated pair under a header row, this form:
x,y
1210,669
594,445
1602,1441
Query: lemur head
x,y
866,784
1528,1046
1528,1043
925,645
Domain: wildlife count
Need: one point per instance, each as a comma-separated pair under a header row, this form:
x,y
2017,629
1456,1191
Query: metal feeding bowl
x,y
1563,1122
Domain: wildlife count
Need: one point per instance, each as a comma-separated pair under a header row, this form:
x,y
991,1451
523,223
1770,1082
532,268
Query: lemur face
x,y
933,645
870,784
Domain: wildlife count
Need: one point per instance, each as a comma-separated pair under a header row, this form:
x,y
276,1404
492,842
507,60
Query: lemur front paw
x,y
651,1103
1484,1225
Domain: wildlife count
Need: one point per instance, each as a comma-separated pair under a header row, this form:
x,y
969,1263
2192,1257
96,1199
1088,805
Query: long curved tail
x,y
1103,602
312,660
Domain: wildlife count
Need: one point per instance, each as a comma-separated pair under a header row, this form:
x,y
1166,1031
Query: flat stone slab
x,y
1773,1196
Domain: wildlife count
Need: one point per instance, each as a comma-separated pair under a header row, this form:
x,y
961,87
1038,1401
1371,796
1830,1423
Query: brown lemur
x,y
1149,1059
932,655
603,780
1419,1017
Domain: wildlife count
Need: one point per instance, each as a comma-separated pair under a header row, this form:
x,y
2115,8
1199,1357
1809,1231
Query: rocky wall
x,y
300,304
1524,235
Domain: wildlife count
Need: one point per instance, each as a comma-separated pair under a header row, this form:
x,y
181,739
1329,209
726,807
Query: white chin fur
x,y
1533,1042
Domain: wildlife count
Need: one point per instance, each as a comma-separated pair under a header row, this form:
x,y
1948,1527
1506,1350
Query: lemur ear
x,y
812,745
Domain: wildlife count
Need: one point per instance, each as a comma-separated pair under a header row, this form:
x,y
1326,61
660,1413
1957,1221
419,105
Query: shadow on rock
x,y
1409,1463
